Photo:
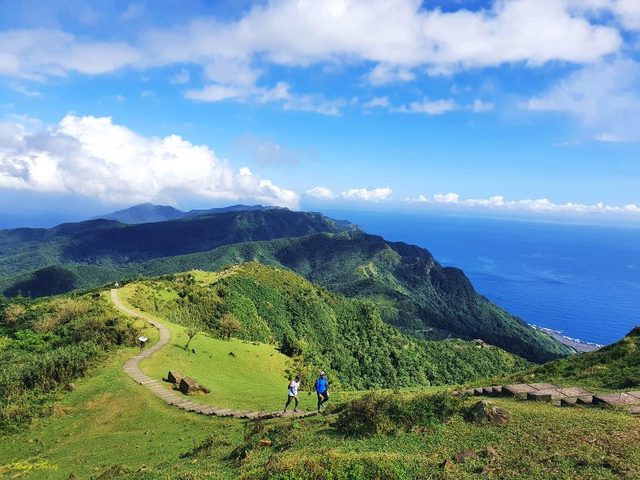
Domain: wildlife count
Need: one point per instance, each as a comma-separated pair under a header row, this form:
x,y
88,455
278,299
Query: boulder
x,y
175,377
71,387
485,412
188,386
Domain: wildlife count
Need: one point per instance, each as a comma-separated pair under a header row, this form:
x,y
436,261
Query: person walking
x,y
322,389
293,393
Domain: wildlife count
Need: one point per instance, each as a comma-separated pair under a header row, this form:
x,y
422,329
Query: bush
x,y
388,413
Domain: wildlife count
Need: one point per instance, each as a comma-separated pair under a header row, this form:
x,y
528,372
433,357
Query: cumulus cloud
x,y
93,157
542,205
355,194
322,193
604,97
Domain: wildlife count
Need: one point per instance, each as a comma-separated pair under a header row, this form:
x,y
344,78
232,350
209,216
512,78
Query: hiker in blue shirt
x,y
322,389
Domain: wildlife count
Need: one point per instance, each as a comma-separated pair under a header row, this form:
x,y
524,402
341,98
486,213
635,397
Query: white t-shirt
x,y
293,388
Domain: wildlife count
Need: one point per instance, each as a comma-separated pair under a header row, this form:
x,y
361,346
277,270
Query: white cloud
x,y
448,198
374,195
377,102
355,194
279,93
216,93
93,157
396,37
322,193
436,107
384,73
604,97
147,93
541,205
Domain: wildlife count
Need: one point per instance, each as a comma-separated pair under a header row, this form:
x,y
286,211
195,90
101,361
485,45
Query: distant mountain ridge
x,y
149,213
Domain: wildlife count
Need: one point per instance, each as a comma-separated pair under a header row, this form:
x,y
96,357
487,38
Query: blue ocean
x,y
583,281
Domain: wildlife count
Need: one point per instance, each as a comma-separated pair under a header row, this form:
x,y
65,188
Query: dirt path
x,y
132,368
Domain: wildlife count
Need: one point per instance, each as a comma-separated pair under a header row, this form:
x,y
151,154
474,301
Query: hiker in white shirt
x,y
293,393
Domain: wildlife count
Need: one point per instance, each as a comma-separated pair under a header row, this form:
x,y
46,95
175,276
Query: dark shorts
x,y
324,395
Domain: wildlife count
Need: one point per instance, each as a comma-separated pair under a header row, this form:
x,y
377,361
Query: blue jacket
x,y
321,385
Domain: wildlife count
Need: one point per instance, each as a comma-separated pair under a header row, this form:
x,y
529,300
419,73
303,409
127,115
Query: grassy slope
x,y
255,378
343,336
614,367
112,421
109,420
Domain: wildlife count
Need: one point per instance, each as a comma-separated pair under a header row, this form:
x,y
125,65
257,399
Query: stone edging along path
x,y
131,368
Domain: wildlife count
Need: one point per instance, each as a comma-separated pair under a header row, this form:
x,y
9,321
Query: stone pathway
x,y
548,392
131,368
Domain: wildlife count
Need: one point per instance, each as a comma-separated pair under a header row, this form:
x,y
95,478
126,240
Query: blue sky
x,y
509,107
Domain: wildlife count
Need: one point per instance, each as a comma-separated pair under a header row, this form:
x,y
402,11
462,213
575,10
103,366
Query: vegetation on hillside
x,y
411,290
323,330
614,367
45,344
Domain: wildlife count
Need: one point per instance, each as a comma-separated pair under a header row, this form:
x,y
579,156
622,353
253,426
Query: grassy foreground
x,y
111,427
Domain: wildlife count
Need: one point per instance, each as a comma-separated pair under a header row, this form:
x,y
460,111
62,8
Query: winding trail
x,y
132,368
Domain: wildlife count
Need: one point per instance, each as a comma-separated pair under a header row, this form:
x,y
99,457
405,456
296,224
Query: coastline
x,y
573,343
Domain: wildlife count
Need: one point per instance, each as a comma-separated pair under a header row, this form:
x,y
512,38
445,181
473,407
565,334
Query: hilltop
x,y
148,212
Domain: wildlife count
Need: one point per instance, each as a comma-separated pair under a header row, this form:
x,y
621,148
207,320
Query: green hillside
x,y
106,243
325,331
410,289
112,427
614,367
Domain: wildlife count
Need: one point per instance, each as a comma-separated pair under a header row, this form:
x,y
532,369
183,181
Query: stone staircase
x,y
561,396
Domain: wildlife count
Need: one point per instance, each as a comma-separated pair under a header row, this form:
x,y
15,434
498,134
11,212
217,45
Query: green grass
x,y
255,377
111,424
110,420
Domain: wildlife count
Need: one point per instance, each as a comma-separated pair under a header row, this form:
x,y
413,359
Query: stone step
x,y
545,396
224,412
616,399
585,400
574,391
634,410
520,389
543,386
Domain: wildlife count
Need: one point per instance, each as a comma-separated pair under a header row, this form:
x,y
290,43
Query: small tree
x,y
193,327
229,325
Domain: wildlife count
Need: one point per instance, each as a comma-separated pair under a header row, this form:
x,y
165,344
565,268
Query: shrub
x,y
388,413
